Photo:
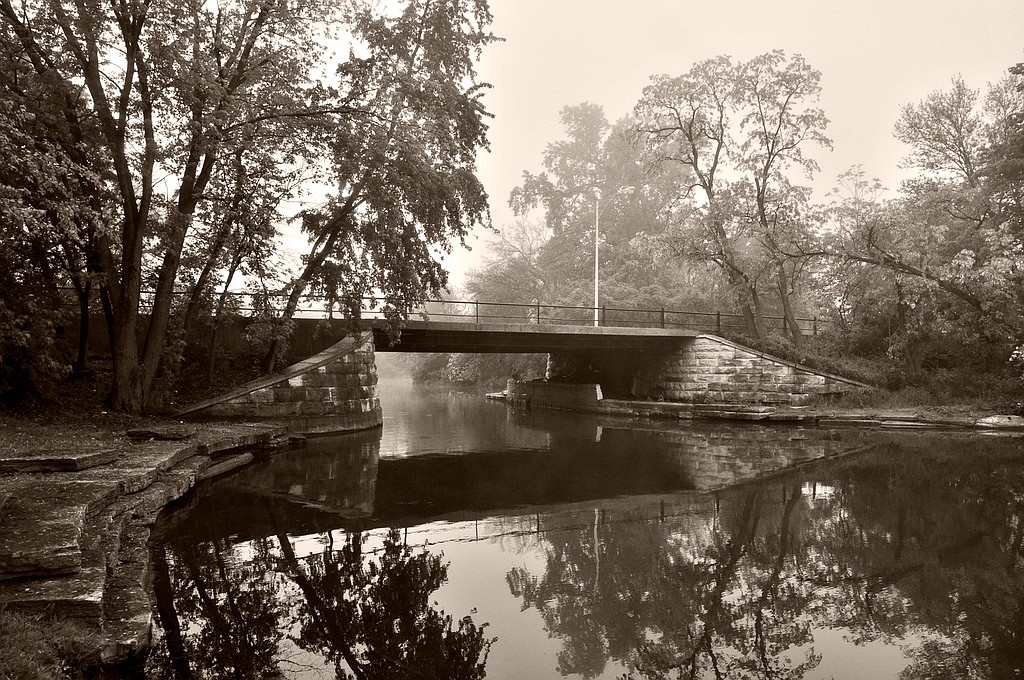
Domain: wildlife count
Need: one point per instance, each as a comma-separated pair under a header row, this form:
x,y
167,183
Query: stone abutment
x,y
330,392
702,370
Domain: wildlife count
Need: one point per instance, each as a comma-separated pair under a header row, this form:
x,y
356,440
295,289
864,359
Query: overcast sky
x,y
874,56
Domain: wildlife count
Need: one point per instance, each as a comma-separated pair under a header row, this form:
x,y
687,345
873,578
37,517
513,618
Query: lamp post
x,y
597,217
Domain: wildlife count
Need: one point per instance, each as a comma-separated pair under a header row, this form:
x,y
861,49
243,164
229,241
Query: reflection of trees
x,y
889,545
221,619
369,614
374,615
637,591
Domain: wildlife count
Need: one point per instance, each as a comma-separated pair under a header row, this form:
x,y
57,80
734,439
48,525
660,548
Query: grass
x,y
45,649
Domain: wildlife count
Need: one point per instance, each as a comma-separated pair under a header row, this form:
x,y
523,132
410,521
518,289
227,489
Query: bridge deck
x,y
451,336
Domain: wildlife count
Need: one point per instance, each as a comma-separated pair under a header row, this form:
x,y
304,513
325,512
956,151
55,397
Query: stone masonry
x,y
710,369
333,391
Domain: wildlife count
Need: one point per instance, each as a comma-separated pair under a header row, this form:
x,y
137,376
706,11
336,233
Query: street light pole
x,y
597,217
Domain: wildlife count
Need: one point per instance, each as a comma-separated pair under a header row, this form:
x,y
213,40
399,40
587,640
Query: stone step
x,y
78,596
225,466
226,439
42,526
63,460
127,614
39,540
172,485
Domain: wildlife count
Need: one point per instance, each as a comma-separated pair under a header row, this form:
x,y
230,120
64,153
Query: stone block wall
x,y
555,395
709,369
334,391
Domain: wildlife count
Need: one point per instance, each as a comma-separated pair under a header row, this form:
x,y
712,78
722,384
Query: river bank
x,y
77,499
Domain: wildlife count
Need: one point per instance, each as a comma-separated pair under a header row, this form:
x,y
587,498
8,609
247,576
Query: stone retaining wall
x,y
710,369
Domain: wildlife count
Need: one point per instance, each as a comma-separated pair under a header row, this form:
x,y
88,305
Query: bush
x,y
31,360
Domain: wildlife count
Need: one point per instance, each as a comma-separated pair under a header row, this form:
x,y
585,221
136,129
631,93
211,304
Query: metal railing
x,y
476,311
482,311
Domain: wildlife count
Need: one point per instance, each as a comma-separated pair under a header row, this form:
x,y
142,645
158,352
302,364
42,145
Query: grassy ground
x,y
41,649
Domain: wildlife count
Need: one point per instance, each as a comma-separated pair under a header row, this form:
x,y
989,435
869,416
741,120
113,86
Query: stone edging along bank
x,y
74,525
823,417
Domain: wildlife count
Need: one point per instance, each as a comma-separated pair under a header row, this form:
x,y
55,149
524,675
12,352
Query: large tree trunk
x,y
795,334
127,390
159,316
912,358
750,304
82,360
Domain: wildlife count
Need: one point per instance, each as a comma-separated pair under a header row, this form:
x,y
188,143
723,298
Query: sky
x,y
874,55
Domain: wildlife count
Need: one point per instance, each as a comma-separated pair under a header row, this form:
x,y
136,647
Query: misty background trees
x,y
706,204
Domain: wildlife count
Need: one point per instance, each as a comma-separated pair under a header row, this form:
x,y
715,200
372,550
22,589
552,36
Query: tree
x,y
597,172
944,132
404,169
950,244
176,87
737,128
50,213
164,81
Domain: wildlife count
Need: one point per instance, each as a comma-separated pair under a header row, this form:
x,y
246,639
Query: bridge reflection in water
x,y
721,551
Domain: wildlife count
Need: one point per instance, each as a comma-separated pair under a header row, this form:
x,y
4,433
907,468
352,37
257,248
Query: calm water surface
x,y
467,540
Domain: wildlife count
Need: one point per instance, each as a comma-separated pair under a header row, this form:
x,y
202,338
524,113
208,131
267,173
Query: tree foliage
x,y
947,250
404,166
177,105
738,128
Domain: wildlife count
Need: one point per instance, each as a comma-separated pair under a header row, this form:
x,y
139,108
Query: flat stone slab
x,y
140,465
68,460
77,596
127,615
1001,421
40,540
41,531
731,414
793,417
225,466
162,433
216,439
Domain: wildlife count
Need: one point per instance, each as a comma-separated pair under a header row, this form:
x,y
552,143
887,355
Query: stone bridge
x,y
336,389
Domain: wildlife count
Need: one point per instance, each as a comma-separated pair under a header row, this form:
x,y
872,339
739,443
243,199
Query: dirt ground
x,y
75,418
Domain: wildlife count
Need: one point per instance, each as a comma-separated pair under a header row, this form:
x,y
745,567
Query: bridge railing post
x,y
662,317
476,310
537,309
718,323
815,325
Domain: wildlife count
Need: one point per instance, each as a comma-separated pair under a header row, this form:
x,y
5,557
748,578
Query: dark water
x,y
468,540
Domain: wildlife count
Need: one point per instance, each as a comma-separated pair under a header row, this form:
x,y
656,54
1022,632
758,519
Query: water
x,y
467,540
